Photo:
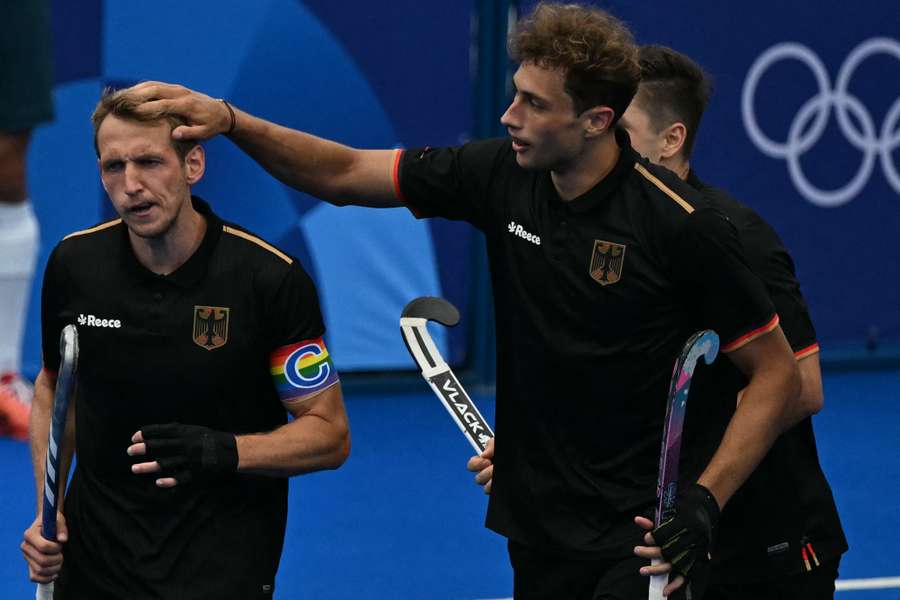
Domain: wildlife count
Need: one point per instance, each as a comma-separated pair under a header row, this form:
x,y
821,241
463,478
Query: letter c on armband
x,y
308,358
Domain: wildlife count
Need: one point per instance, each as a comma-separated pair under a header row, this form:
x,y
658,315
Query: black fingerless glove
x,y
188,452
686,538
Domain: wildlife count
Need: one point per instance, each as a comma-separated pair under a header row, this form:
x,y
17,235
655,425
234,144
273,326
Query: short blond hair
x,y
122,103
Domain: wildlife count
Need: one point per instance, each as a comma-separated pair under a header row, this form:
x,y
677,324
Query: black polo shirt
x,y
189,347
594,298
787,502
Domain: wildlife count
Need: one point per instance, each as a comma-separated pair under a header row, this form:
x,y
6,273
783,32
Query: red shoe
x,y
15,405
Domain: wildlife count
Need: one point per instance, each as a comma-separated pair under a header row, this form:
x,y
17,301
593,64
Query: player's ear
x,y
674,138
597,120
195,164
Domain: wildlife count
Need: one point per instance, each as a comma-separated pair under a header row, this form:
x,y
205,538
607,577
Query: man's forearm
x,y
331,171
764,412
316,166
812,398
38,432
304,445
318,438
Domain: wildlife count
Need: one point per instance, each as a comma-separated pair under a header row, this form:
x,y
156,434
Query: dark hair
x,y
123,103
595,50
673,88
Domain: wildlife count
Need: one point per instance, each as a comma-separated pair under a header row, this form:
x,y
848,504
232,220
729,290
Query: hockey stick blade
x,y
706,344
433,309
413,326
65,383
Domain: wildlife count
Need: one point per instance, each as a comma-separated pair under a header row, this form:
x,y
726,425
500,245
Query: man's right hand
x,y
206,116
483,465
44,558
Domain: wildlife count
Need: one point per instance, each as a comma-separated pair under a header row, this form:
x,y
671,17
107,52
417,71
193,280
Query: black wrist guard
x,y
686,538
186,452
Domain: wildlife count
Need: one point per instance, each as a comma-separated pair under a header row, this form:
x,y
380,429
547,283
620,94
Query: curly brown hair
x,y
594,49
123,103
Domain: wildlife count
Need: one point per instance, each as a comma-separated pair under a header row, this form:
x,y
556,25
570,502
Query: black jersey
x,y
190,347
787,502
594,298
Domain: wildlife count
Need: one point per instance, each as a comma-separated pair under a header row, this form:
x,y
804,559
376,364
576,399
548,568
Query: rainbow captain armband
x,y
302,369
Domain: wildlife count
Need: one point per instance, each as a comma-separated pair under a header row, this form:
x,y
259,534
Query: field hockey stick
x,y
413,325
53,486
706,344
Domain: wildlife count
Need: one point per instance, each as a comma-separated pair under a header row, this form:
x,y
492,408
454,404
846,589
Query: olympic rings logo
x,y
818,109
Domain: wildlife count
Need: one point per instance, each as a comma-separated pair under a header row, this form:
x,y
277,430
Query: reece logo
x,y
92,321
518,230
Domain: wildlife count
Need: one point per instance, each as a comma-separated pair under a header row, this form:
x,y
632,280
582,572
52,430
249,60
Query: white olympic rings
x,y
818,109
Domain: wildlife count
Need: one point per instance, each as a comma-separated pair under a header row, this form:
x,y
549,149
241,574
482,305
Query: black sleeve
x,y
714,275
771,261
53,293
292,312
450,182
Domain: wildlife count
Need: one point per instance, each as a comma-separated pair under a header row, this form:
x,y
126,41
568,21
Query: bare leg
x,y
18,250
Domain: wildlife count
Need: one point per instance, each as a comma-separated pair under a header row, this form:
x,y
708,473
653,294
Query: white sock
x,y
19,239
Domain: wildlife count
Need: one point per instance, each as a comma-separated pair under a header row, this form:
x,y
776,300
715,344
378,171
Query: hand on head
x,y
206,116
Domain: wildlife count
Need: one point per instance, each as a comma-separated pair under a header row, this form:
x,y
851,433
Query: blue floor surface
x,y
403,519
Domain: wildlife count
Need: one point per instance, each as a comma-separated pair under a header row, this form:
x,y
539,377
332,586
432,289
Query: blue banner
x,y
359,74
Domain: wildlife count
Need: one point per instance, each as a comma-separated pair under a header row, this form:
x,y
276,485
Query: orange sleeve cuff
x,y
751,335
398,191
395,176
806,352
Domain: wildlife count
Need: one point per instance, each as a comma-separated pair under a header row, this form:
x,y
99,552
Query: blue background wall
x,y
358,76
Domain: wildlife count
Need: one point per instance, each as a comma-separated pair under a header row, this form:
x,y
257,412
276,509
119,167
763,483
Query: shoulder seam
x,y
100,227
663,187
258,242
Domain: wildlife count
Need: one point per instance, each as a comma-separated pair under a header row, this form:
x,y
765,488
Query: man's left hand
x,y
682,542
181,453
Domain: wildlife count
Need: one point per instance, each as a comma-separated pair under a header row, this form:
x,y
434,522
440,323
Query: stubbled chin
x,y
147,230
524,161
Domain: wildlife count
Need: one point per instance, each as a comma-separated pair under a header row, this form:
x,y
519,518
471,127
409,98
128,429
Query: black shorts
x,y
817,584
541,576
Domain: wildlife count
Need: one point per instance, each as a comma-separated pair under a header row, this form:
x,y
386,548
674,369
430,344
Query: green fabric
x,y
26,65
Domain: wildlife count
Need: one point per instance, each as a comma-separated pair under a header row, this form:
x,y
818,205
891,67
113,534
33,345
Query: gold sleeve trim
x,y
666,189
258,242
100,227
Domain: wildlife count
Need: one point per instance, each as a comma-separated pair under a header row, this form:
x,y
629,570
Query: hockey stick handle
x,y
703,344
657,582
456,400
413,326
65,383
